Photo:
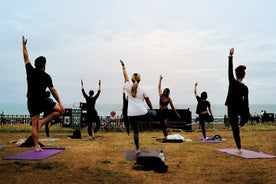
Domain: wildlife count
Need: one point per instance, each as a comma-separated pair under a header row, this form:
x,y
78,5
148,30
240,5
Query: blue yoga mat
x,y
33,155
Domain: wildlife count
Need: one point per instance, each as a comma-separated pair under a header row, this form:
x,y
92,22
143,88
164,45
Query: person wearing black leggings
x,y
164,101
203,109
237,100
136,110
92,114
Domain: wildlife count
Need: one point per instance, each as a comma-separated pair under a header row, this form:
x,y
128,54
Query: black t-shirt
x,y
91,101
202,105
237,96
38,81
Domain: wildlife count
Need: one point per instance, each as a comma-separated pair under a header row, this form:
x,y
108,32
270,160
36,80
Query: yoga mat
x,y
246,153
48,139
131,154
211,140
169,140
32,155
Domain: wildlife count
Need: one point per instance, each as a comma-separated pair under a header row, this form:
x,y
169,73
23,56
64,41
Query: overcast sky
x,y
184,40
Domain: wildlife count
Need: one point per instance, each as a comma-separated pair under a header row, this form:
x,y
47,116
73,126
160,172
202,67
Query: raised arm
x,y
159,85
100,85
230,65
124,71
82,90
82,84
195,89
25,51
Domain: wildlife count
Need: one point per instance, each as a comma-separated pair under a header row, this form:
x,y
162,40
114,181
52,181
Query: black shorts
x,y
36,107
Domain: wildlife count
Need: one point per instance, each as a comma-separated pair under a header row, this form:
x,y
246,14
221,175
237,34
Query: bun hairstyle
x,y
135,80
240,71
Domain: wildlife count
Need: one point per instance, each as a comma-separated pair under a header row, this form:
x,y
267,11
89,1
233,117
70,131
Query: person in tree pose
x,y
164,101
136,109
37,83
203,109
237,99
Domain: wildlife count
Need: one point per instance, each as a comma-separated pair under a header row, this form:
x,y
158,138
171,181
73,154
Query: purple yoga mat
x,y
246,153
32,155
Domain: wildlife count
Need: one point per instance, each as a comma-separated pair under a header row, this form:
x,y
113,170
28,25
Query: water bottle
x,y
162,155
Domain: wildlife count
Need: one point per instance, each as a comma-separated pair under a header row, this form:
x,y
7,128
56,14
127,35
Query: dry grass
x,y
102,160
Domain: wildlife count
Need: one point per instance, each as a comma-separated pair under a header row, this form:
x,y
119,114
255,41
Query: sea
x,y
219,110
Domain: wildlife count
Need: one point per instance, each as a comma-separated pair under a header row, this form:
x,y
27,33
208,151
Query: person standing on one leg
x,y
164,101
203,109
136,108
237,99
92,114
37,83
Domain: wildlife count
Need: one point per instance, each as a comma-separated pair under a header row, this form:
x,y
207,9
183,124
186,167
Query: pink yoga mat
x,y
246,153
32,155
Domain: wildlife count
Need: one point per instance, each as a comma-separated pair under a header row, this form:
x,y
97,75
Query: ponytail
x,y
135,80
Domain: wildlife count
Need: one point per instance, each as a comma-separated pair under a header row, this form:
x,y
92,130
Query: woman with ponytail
x,y
136,107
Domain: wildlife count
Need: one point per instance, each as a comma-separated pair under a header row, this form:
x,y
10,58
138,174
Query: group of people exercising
x,y
134,98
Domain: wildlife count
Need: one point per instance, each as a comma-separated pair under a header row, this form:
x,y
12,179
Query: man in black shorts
x,y
38,81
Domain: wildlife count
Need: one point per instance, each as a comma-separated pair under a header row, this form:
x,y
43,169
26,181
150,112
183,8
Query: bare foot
x,y
38,148
90,138
239,152
94,136
138,151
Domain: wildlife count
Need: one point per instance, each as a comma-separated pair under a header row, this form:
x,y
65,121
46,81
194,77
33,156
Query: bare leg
x,y
35,133
55,114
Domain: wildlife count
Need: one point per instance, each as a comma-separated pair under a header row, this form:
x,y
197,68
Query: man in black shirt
x,y
38,81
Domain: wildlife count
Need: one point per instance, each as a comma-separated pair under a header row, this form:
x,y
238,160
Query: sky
x,y
185,41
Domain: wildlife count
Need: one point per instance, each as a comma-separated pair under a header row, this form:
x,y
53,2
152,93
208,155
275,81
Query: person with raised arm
x,y
203,109
136,107
164,101
92,114
37,83
237,100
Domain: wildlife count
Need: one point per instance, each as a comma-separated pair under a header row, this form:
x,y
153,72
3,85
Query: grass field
x,y
102,160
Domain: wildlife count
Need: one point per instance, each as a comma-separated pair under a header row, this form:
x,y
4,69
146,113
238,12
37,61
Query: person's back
x,y
37,83
136,108
136,105
236,94
37,79
92,114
